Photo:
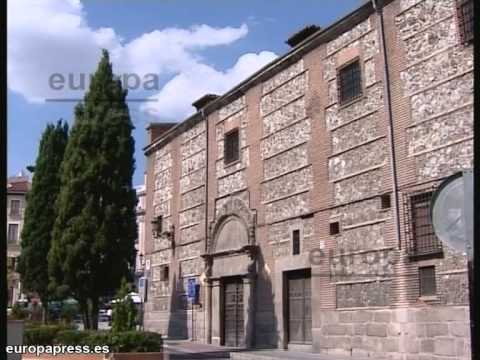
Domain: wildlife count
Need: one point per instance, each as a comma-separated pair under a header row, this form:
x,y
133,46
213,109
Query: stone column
x,y
208,311
216,316
249,310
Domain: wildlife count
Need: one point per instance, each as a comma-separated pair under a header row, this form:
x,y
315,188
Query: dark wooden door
x,y
299,307
233,313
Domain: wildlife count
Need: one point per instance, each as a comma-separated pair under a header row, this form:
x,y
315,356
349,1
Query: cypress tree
x,y
95,228
39,212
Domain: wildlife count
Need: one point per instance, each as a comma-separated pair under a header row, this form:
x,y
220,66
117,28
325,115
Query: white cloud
x,y
53,36
174,101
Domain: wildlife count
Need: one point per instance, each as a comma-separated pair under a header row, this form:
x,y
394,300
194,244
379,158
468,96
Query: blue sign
x,y
191,291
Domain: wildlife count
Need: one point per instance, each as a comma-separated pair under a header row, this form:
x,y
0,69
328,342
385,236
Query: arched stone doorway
x,y
230,276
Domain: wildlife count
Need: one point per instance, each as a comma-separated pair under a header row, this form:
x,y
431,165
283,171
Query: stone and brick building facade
x,y
17,188
299,199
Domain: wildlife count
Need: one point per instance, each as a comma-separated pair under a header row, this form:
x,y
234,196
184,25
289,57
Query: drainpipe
x,y
391,139
208,300
202,112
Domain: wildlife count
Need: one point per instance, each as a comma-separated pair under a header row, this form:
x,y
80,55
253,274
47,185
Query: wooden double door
x,y
299,309
233,313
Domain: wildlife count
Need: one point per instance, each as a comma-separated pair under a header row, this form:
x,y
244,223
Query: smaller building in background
x,y
17,188
140,241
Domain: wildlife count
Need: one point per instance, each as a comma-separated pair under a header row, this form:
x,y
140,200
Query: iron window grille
x,y
465,20
231,147
421,239
349,82
428,284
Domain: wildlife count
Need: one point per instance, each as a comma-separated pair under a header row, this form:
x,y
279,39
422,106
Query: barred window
x,y
231,147
428,285
349,82
422,239
465,20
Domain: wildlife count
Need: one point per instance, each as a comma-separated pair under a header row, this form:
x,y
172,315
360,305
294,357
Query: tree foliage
x,y
95,228
124,311
40,212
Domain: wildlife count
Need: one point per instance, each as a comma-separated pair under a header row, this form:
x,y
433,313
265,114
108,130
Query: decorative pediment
x,y
233,229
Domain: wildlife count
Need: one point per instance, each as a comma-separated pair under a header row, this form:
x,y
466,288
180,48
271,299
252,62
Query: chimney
x,y
156,130
302,34
204,100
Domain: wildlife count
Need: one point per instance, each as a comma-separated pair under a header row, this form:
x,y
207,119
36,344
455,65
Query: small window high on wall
x,y
349,82
428,285
295,242
231,147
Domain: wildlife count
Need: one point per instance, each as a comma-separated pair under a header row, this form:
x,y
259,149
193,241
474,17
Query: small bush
x,y
124,311
42,334
72,337
126,341
135,341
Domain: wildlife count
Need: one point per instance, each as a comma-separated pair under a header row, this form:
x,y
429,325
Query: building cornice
x,y
320,37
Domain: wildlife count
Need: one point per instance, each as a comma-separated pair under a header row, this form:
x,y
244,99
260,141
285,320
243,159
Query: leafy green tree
x,y
40,212
124,311
95,228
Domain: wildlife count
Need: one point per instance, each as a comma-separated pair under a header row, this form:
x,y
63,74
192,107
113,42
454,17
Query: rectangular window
x,y
334,228
349,82
157,225
164,272
231,147
465,20
15,208
385,201
12,233
428,285
296,242
422,239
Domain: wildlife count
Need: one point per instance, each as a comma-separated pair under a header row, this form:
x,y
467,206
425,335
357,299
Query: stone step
x,y
291,355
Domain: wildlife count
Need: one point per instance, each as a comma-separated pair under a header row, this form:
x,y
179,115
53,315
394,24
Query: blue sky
x,y
193,47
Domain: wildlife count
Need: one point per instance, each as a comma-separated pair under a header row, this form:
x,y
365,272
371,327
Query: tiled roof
x,y
18,186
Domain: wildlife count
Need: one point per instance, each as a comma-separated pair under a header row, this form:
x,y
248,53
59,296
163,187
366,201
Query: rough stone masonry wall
x,y
160,291
191,214
438,82
438,79
288,175
232,178
362,266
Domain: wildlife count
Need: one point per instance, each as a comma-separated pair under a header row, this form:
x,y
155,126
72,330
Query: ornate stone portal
x,y
231,259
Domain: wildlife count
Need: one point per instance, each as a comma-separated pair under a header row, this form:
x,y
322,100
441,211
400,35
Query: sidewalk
x,y
293,355
186,350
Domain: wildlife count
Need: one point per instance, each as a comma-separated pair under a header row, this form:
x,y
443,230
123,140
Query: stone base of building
x,y
430,333
434,332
